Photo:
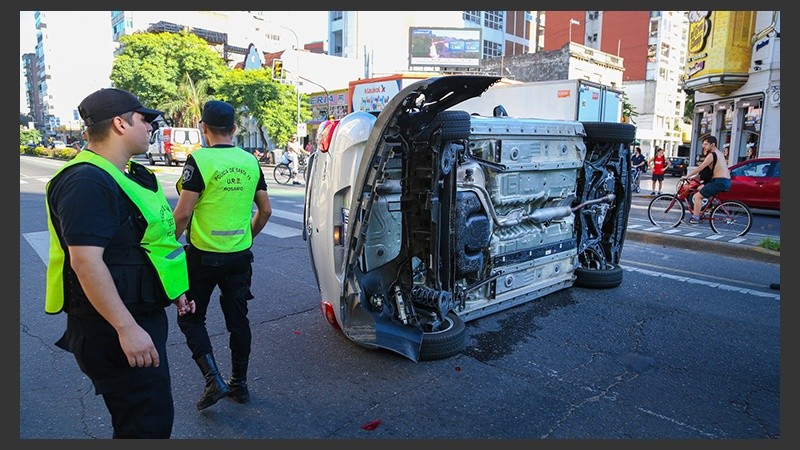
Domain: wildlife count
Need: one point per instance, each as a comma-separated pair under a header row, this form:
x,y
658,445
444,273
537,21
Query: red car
x,y
756,183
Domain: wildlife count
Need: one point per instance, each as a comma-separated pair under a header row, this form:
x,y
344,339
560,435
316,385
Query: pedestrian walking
x,y
219,185
115,265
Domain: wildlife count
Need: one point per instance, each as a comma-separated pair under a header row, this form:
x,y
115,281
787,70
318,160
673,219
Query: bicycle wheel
x,y
731,218
282,173
665,211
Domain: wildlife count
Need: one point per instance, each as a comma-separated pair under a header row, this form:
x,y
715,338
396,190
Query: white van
x,y
172,145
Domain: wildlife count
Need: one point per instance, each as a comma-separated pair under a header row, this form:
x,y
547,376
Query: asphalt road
x,y
688,347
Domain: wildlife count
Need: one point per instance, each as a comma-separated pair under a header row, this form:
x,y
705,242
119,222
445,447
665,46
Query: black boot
x,y
216,388
238,382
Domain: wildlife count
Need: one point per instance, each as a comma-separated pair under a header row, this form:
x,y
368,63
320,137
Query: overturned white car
x,y
426,216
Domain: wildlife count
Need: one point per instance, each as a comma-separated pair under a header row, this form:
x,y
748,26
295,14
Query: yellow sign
x,y
719,50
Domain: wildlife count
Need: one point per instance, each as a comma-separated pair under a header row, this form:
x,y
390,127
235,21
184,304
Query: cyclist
x,y
720,176
293,153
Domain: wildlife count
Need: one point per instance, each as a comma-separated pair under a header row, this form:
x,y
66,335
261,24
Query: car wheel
x,y
150,159
599,278
610,132
455,124
444,343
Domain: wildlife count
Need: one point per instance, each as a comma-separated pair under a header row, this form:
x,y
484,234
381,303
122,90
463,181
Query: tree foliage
x,y
628,110
688,107
273,105
178,72
185,109
27,135
152,65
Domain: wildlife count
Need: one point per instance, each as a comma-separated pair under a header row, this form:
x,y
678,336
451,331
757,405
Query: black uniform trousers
x,y
138,398
232,273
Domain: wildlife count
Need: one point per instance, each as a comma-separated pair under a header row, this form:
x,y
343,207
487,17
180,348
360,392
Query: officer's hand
x,y
138,346
184,306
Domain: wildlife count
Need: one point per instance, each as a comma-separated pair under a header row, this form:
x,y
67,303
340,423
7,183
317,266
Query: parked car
x,y
424,216
756,183
679,166
58,144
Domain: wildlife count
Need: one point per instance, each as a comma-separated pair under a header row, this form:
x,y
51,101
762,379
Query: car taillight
x,y
327,135
327,311
168,147
338,235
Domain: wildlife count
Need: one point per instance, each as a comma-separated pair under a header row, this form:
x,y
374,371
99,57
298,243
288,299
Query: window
x,y
336,15
491,49
493,20
472,16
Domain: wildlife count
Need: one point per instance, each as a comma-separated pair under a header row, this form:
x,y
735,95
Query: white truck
x,y
559,99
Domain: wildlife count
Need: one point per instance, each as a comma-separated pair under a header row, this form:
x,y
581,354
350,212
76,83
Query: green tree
x,y
152,65
185,108
628,110
29,135
273,105
688,107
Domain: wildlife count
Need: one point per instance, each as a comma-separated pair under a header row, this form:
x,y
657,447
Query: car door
x,y
755,184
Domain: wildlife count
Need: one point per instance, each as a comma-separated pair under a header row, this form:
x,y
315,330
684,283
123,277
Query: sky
x,y
310,26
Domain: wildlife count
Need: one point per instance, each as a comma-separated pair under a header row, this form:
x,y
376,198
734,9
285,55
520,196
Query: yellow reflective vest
x,y
221,219
159,243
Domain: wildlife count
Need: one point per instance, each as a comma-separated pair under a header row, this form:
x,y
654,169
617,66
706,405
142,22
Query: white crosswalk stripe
x,y
40,240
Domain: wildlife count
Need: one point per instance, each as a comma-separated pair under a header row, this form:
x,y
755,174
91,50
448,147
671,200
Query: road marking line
x,y
280,231
712,284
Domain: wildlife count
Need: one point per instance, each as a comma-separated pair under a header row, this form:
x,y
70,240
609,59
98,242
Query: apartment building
x,y
382,38
61,62
653,46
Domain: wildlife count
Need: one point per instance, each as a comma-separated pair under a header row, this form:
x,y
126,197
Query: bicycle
x,y
730,217
636,180
283,171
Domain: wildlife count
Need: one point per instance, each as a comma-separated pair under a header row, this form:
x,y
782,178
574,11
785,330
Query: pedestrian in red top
x,y
660,164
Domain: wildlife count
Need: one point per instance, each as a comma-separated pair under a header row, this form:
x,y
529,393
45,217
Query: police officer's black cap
x,y
111,102
218,114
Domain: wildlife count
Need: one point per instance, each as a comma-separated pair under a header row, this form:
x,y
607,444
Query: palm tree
x,y
186,107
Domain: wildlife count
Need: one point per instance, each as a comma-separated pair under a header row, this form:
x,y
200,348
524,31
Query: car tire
x,y
455,125
150,159
610,132
446,342
599,278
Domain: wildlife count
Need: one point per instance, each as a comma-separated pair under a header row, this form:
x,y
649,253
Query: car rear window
x,y
192,136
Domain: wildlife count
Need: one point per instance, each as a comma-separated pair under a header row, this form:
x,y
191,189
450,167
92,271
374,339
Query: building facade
x,y
653,45
381,38
734,69
62,62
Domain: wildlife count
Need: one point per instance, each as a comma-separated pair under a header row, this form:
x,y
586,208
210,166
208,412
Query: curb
x,y
724,248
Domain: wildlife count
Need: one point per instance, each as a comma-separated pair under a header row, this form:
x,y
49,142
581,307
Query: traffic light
x,y
277,69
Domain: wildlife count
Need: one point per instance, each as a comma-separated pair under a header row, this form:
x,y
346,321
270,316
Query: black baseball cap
x,y
111,102
217,114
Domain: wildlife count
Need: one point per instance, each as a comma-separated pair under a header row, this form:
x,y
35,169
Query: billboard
x,y
444,47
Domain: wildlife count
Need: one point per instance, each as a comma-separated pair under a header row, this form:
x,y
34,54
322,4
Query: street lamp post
x,y
327,94
297,70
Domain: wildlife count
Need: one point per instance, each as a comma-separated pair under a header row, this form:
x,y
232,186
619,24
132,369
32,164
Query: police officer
x,y
115,264
219,185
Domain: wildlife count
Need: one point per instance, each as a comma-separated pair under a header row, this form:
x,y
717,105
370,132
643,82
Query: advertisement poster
x,y
373,97
445,47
